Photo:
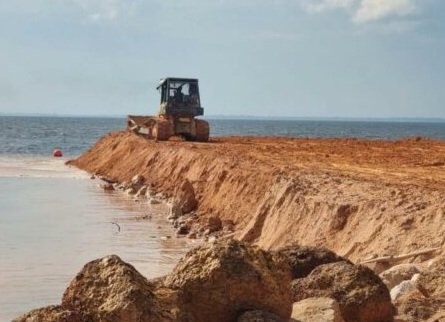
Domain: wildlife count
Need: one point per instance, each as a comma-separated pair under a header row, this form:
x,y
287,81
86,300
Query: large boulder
x,y
217,281
399,273
316,309
361,294
304,259
111,290
53,313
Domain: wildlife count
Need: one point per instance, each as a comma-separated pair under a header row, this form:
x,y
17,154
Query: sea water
x,y
54,219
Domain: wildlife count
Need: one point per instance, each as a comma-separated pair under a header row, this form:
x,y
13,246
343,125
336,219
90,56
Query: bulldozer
x,y
180,104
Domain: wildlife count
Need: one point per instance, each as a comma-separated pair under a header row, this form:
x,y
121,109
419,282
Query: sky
x,y
300,58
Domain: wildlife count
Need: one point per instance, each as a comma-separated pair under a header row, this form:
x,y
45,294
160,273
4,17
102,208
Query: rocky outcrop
x,y
316,309
304,259
216,282
361,294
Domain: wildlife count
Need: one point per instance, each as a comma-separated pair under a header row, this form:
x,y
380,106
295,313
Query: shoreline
x,y
292,198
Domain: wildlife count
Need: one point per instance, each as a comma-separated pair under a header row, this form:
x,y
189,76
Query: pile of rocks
x,y
418,290
226,281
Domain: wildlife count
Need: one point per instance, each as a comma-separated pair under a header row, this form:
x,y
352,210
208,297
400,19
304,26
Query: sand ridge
x,y
356,197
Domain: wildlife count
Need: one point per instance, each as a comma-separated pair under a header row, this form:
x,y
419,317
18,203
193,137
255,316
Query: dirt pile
x,y
359,198
222,282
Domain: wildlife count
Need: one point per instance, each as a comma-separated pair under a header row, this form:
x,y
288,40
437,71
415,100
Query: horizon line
x,y
247,117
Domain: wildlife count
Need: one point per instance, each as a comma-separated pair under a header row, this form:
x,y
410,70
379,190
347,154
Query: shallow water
x,y
54,219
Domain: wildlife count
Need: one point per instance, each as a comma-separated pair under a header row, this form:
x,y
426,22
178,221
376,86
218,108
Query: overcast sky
x,y
308,58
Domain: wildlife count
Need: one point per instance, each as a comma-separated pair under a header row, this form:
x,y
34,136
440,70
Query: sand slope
x,y
355,197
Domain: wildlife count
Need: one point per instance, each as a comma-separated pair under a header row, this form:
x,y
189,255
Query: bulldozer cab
x,y
180,96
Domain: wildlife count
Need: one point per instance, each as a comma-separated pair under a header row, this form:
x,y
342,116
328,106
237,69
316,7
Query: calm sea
x,y
53,219
40,135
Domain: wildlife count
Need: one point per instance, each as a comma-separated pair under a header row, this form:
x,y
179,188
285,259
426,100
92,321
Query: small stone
x,y
214,224
107,187
130,191
183,230
141,192
403,288
212,239
192,235
154,202
138,179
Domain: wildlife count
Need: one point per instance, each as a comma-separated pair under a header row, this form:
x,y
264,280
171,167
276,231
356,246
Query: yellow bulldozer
x,y
180,104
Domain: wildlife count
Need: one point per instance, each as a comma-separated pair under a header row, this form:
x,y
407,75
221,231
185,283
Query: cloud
x,y
372,10
363,11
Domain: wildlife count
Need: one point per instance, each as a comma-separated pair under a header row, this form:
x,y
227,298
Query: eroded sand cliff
x,y
356,197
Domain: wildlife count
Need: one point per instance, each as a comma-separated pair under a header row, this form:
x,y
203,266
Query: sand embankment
x,y
355,197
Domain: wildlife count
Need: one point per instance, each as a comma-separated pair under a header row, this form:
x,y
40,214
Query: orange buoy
x,y
57,153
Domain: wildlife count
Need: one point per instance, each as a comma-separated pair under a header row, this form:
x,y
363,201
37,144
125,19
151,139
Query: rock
x,y
304,259
362,296
142,192
107,187
138,180
175,210
214,224
432,281
111,290
53,313
183,229
228,225
317,309
154,202
131,191
403,288
192,235
415,278
414,307
185,200
217,281
212,239
397,274
258,316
